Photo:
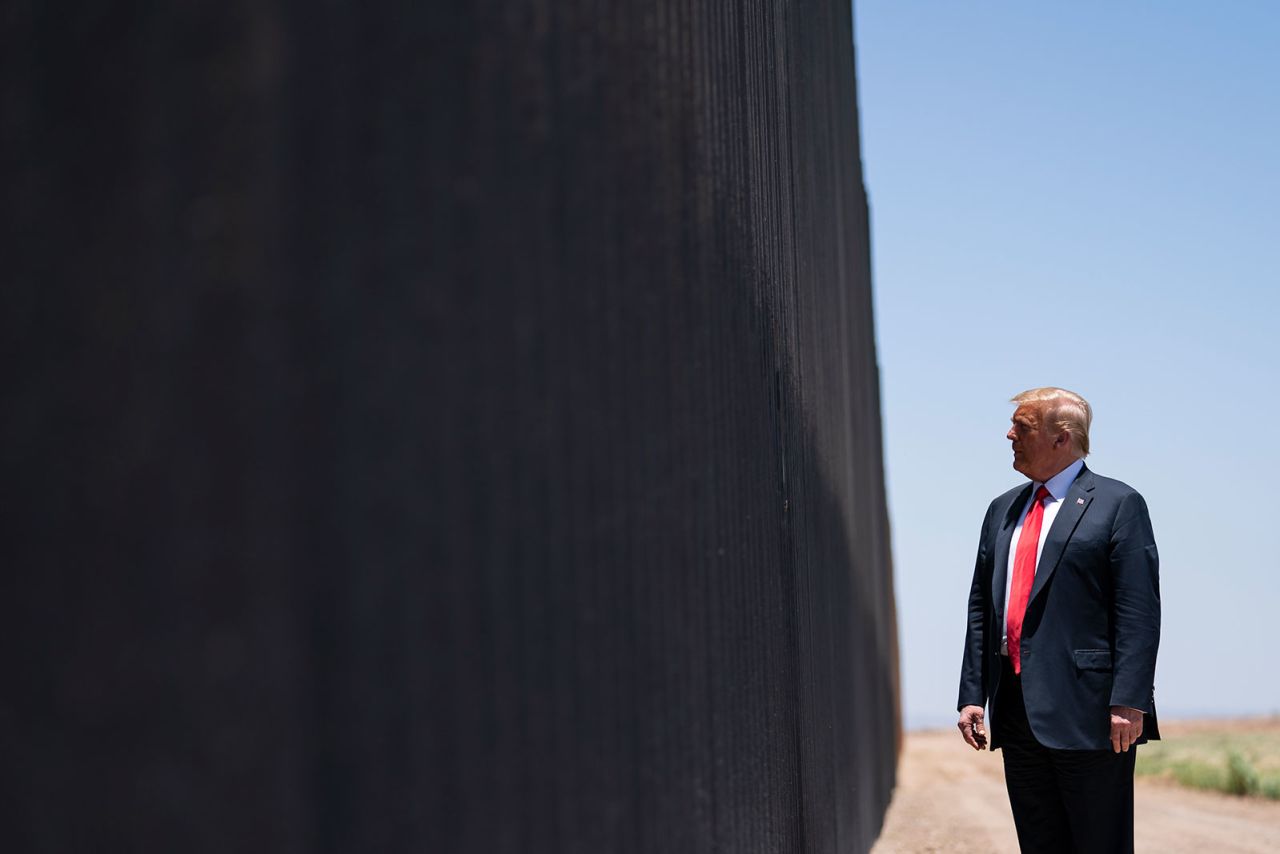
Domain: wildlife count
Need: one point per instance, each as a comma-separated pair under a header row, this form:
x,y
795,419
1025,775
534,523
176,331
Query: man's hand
x,y
971,727
1126,726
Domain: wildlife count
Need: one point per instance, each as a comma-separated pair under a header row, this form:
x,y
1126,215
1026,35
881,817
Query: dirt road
x,y
951,799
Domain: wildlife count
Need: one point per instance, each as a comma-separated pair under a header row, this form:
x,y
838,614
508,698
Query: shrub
x,y
1242,779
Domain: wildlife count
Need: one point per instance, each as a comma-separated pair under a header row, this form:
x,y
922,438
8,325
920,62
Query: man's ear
x,y
1063,438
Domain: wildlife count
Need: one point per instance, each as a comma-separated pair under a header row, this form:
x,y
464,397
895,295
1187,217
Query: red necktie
x,y
1024,573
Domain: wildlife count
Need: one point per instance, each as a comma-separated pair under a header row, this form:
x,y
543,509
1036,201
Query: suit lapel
x,y
1078,499
1004,536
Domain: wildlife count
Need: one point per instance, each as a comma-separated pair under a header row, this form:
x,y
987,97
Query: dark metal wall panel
x,y
439,427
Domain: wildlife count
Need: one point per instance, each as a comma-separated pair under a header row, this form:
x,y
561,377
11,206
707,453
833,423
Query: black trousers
x,y
1069,801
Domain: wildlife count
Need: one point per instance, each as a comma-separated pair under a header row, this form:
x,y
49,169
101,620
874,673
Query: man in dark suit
x,y
1064,622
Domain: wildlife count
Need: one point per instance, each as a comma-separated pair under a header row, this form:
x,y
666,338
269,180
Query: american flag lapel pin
x,y
1079,500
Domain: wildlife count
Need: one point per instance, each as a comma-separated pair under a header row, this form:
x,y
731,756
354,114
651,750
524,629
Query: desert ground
x,y
950,798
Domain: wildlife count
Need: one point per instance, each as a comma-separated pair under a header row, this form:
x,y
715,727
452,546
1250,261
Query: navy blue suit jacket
x,y
1092,625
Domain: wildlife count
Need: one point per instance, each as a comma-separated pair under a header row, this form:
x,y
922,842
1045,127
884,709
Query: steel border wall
x,y
440,427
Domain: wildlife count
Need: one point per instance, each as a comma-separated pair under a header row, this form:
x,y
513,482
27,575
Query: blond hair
x,y
1063,410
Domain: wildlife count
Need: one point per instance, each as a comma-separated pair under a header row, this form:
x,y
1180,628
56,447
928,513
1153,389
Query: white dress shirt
x,y
1057,486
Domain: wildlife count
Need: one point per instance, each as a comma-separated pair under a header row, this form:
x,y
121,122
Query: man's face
x,y
1035,450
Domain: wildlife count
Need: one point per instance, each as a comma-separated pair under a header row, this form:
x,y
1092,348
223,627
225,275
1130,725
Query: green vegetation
x,y
1238,761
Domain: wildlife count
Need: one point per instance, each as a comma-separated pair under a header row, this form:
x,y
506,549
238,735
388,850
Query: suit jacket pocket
x,y
1093,659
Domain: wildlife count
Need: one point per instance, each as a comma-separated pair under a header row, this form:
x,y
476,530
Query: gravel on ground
x,y
950,798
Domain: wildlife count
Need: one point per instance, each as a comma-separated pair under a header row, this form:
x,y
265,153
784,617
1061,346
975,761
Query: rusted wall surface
x,y
440,427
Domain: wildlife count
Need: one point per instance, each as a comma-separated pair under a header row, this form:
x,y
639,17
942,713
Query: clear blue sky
x,y
1083,194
